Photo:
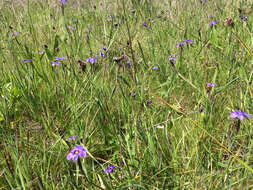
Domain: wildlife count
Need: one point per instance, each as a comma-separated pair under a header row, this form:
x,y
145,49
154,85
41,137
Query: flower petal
x,y
69,156
240,117
234,114
246,115
82,154
75,157
79,147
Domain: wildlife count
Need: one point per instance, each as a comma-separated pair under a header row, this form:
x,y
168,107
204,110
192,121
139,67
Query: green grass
x,y
184,139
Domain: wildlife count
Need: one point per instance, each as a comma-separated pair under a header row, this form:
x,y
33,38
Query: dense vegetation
x,y
126,94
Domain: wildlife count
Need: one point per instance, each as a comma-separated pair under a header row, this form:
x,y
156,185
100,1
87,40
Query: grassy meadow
x,y
126,94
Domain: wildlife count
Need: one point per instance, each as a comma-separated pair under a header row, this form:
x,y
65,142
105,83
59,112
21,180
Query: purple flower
x,y
63,1
42,52
109,19
149,102
155,68
244,18
110,169
172,59
104,48
57,63
189,41
102,54
72,138
70,28
13,34
26,61
180,44
59,58
239,114
145,24
211,84
118,21
133,95
212,23
91,60
128,64
75,152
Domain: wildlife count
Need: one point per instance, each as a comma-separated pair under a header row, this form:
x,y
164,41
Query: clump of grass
x,y
126,95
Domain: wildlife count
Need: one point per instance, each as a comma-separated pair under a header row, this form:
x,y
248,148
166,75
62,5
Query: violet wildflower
x,y
149,102
102,54
118,21
72,138
57,63
91,60
42,52
104,48
63,1
59,58
109,19
128,64
189,41
244,18
211,84
26,61
239,114
172,59
181,44
133,95
76,152
145,24
13,34
212,23
70,28
155,68
110,169
209,87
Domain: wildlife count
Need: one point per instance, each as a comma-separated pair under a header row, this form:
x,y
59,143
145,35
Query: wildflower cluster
x,y
13,33
93,60
244,18
173,58
57,60
80,151
110,169
181,44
